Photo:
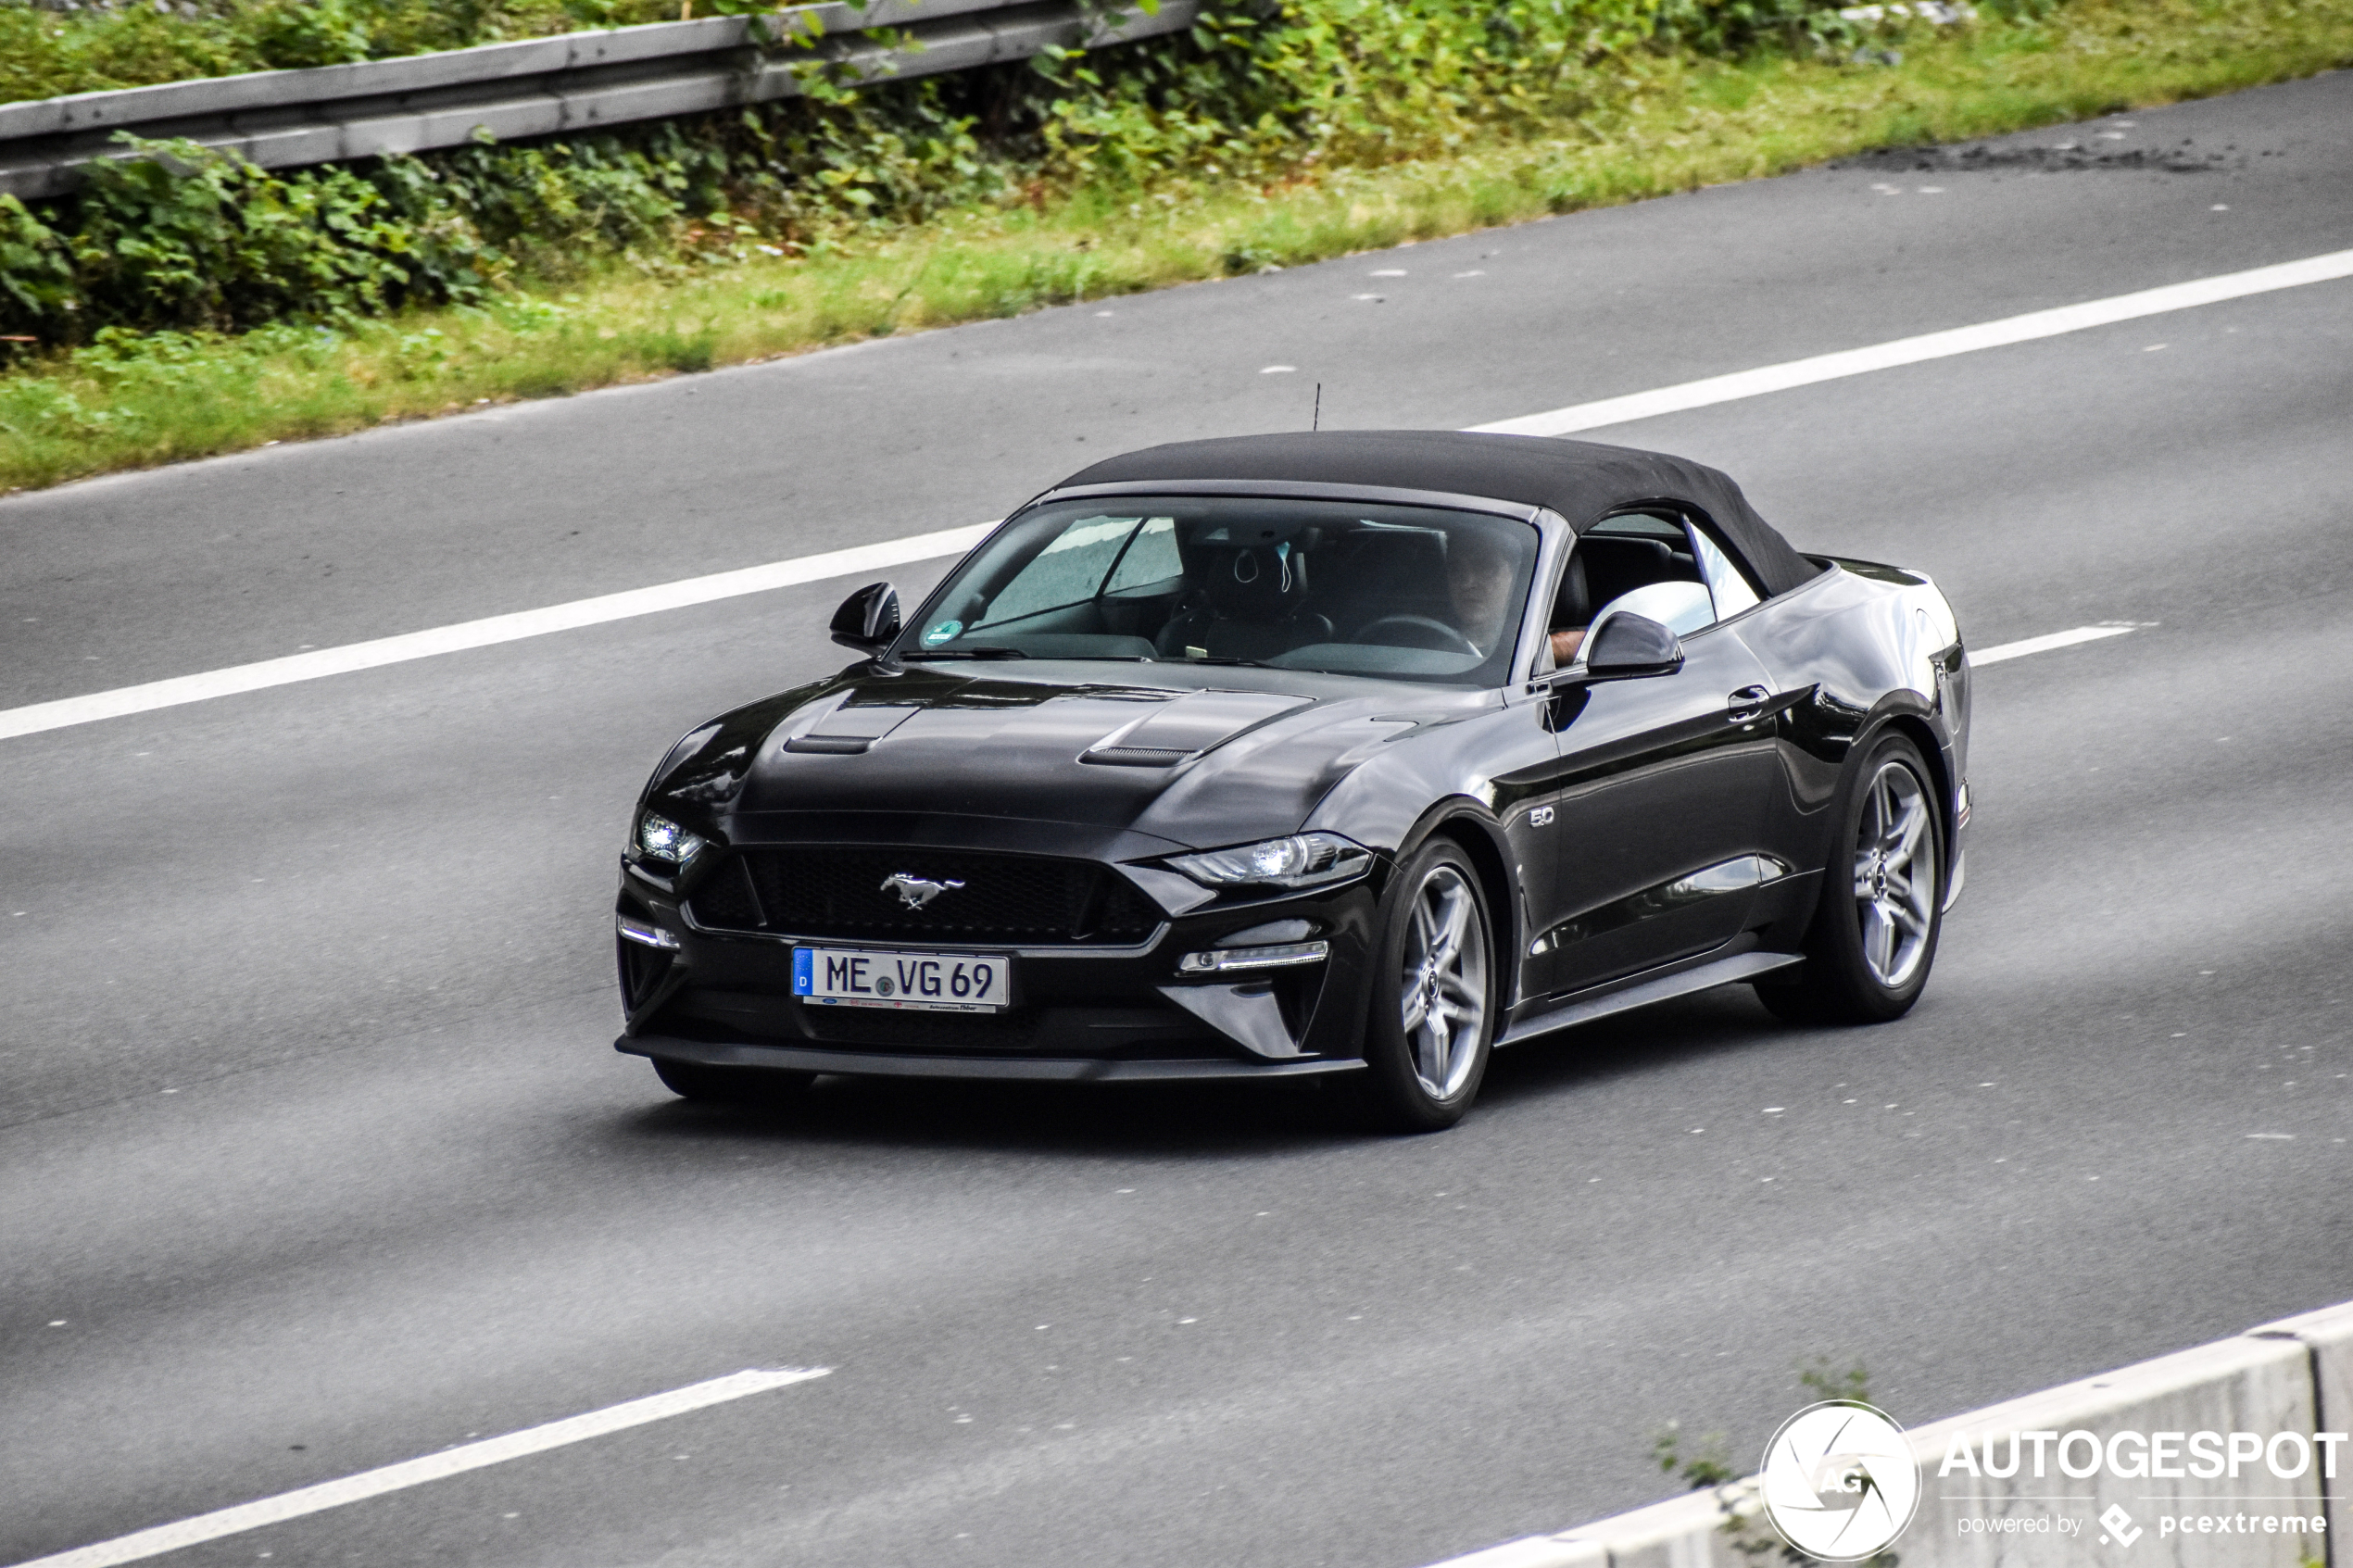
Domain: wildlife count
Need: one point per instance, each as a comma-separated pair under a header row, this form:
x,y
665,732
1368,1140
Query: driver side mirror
x,y
1630,646
868,620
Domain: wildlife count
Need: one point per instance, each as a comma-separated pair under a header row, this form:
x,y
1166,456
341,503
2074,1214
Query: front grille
x,y
823,891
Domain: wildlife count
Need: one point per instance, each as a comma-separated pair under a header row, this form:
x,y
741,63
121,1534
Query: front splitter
x,y
1051,1070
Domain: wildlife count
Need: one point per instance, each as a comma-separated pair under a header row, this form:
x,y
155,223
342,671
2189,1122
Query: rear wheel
x,y
729,1086
1432,1023
1874,935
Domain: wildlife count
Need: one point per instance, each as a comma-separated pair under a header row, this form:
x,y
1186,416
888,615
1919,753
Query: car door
x,y
1665,781
1527,774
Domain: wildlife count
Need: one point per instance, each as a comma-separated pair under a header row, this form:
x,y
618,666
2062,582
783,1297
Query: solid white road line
x,y
2042,643
122,700
1928,345
524,624
416,1472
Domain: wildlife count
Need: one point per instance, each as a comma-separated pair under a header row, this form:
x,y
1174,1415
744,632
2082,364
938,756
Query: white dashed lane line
x,y
1979,658
485,633
1927,346
38,717
417,1472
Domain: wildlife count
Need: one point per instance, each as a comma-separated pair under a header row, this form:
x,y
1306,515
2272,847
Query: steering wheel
x,y
1454,642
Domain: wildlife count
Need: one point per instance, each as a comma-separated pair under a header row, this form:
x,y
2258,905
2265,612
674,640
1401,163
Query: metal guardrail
x,y
575,82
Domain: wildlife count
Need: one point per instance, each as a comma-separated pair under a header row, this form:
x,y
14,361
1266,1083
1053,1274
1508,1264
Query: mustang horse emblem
x,y
913,891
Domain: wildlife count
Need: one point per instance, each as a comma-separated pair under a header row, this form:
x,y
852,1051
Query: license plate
x,y
853,977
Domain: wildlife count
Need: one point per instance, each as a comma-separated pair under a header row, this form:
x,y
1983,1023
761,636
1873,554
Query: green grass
x,y
46,52
1677,124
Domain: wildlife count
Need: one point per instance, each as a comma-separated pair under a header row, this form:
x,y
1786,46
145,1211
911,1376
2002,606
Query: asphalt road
x,y
315,1156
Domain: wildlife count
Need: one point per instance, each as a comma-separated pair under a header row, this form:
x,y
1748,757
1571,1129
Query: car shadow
x,y
1054,1118
1665,1034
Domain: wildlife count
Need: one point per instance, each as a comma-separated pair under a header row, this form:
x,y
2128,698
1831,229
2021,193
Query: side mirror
x,y
1629,647
868,620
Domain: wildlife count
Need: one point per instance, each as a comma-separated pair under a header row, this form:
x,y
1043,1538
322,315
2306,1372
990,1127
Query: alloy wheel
x,y
1442,1000
1896,874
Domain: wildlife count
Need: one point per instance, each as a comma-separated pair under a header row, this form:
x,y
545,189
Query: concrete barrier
x,y
2242,1384
2109,1509
2328,1334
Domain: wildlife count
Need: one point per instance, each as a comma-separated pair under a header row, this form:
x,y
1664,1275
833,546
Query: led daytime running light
x,y
1226,959
645,933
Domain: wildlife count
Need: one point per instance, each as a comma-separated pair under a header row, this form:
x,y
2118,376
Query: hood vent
x,y
1133,755
850,729
1191,724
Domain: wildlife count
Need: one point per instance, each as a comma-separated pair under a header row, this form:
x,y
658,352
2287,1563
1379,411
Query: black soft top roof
x,y
1583,481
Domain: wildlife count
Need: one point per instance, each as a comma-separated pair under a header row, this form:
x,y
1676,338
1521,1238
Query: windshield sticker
x,y
945,632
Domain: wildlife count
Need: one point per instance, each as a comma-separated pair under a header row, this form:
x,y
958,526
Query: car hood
x,y
1191,757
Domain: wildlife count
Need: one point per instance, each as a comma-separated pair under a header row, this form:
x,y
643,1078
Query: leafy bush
x,y
46,52
182,236
173,237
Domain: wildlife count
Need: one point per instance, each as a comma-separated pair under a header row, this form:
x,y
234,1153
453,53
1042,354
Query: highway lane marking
x,y
121,701
417,1472
2042,643
485,633
1927,346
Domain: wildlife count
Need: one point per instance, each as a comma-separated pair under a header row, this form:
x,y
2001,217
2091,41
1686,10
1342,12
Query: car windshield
x,y
1407,593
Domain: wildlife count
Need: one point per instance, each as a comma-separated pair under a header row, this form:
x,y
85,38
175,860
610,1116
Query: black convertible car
x,y
1356,754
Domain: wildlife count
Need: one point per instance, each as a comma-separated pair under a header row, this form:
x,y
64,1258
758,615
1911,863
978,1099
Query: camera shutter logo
x,y
1840,1482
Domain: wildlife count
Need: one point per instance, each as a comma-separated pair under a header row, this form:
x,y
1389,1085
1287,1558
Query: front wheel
x,y
1432,1018
1874,935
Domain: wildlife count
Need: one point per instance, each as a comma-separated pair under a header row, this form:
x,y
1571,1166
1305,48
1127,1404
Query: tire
x,y
1432,1023
1873,938
729,1086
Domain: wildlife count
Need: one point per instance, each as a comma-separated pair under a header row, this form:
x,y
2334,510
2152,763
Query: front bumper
x,y
1080,1014
1042,1070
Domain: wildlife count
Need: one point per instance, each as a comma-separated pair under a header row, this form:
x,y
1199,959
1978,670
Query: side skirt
x,y
1702,977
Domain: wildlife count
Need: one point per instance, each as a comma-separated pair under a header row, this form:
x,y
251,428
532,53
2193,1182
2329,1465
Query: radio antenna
x,y
1317,422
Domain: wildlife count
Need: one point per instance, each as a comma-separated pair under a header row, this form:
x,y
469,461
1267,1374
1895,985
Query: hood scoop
x,y
851,728
1186,727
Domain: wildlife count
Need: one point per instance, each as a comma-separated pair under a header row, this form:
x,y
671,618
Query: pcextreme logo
x,y
1840,1482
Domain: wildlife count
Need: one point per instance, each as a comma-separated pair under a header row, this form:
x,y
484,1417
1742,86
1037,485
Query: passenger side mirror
x,y
868,620
1629,647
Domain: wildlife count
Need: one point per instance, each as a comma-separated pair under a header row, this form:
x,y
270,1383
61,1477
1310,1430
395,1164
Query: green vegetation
x,y
46,52
1708,1467
266,307
176,237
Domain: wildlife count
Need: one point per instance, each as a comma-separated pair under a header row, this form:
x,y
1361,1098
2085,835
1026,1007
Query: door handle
x,y
1743,706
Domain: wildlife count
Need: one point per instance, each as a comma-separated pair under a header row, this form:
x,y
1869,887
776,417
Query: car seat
x,y
1248,600
1573,605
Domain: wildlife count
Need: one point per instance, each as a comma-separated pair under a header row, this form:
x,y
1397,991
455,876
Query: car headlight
x,y
665,840
1305,860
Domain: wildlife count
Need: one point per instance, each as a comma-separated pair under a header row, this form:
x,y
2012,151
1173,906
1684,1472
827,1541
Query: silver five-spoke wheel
x,y
1442,992
1896,874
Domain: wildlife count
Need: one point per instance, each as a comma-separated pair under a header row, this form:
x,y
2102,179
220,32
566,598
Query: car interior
x,y
1417,593
1645,563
